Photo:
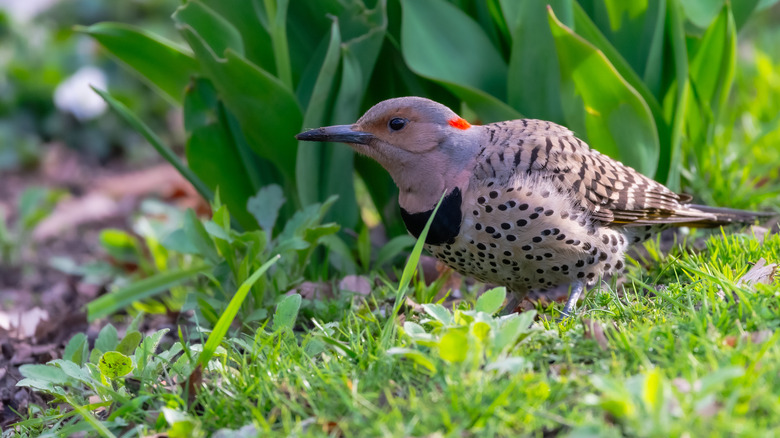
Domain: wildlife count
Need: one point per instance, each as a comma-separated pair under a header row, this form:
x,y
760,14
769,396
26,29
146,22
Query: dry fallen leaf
x,y
22,324
73,212
312,291
760,273
756,337
356,283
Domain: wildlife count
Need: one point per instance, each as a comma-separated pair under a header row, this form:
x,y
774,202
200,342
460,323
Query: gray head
x,y
421,143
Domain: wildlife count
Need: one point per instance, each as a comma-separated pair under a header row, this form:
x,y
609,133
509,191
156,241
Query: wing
x,y
608,189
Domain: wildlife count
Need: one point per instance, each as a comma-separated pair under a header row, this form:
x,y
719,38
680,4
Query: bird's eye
x,y
397,124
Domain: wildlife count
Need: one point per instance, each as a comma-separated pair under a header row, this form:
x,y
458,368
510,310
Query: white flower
x,y
75,96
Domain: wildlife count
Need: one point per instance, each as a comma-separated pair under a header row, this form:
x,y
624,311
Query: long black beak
x,y
337,134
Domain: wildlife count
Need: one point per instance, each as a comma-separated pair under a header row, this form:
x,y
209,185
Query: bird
x,y
524,203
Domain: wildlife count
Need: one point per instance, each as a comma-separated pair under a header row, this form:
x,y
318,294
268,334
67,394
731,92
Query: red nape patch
x,y
459,123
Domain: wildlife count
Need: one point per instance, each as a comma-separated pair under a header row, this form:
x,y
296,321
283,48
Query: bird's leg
x,y
511,304
574,295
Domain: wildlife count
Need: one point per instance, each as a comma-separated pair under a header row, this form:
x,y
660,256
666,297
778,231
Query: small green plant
x,y
33,206
219,254
473,338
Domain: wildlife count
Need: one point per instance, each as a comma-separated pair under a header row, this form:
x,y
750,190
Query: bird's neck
x,y
422,184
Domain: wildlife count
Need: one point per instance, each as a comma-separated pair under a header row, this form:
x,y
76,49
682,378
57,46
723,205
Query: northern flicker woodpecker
x,y
528,205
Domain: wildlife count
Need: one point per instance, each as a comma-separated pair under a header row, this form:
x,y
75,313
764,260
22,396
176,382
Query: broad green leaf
x,y
358,56
265,206
114,364
223,324
393,249
636,30
107,339
129,343
157,143
340,255
588,30
442,43
145,352
617,120
701,12
481,330
534,77
507,335
44,372
454,346
652,391
438,312
212,151
414,329
197,234
266,110
491,301
676,102
276,11
119,244
73,370
43,377
337,158
286,312
215,30
488,108
148,287
309,161
742,10
161,63
415,356
714,62
243,16
718,377
76,350
314,234
179,242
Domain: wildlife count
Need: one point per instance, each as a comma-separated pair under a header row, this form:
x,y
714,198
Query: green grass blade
x,y
157,143
148,287
100,428
221,329
406,277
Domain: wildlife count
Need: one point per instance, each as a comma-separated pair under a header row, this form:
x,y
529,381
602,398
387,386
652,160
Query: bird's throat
x,y
446,224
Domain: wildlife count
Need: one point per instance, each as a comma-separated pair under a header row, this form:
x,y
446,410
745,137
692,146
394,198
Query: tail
x,y
725,216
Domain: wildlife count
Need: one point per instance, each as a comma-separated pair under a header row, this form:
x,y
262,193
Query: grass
x,y
679,358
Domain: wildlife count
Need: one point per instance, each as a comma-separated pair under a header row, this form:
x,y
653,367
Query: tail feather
x,y
725,216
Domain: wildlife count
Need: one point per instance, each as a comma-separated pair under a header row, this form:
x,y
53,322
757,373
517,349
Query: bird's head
x,y
423,144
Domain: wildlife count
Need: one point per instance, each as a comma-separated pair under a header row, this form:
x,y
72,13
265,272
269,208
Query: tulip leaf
x,y
616,119
266,110
159,62
442,43
218,33
534,76
212,152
